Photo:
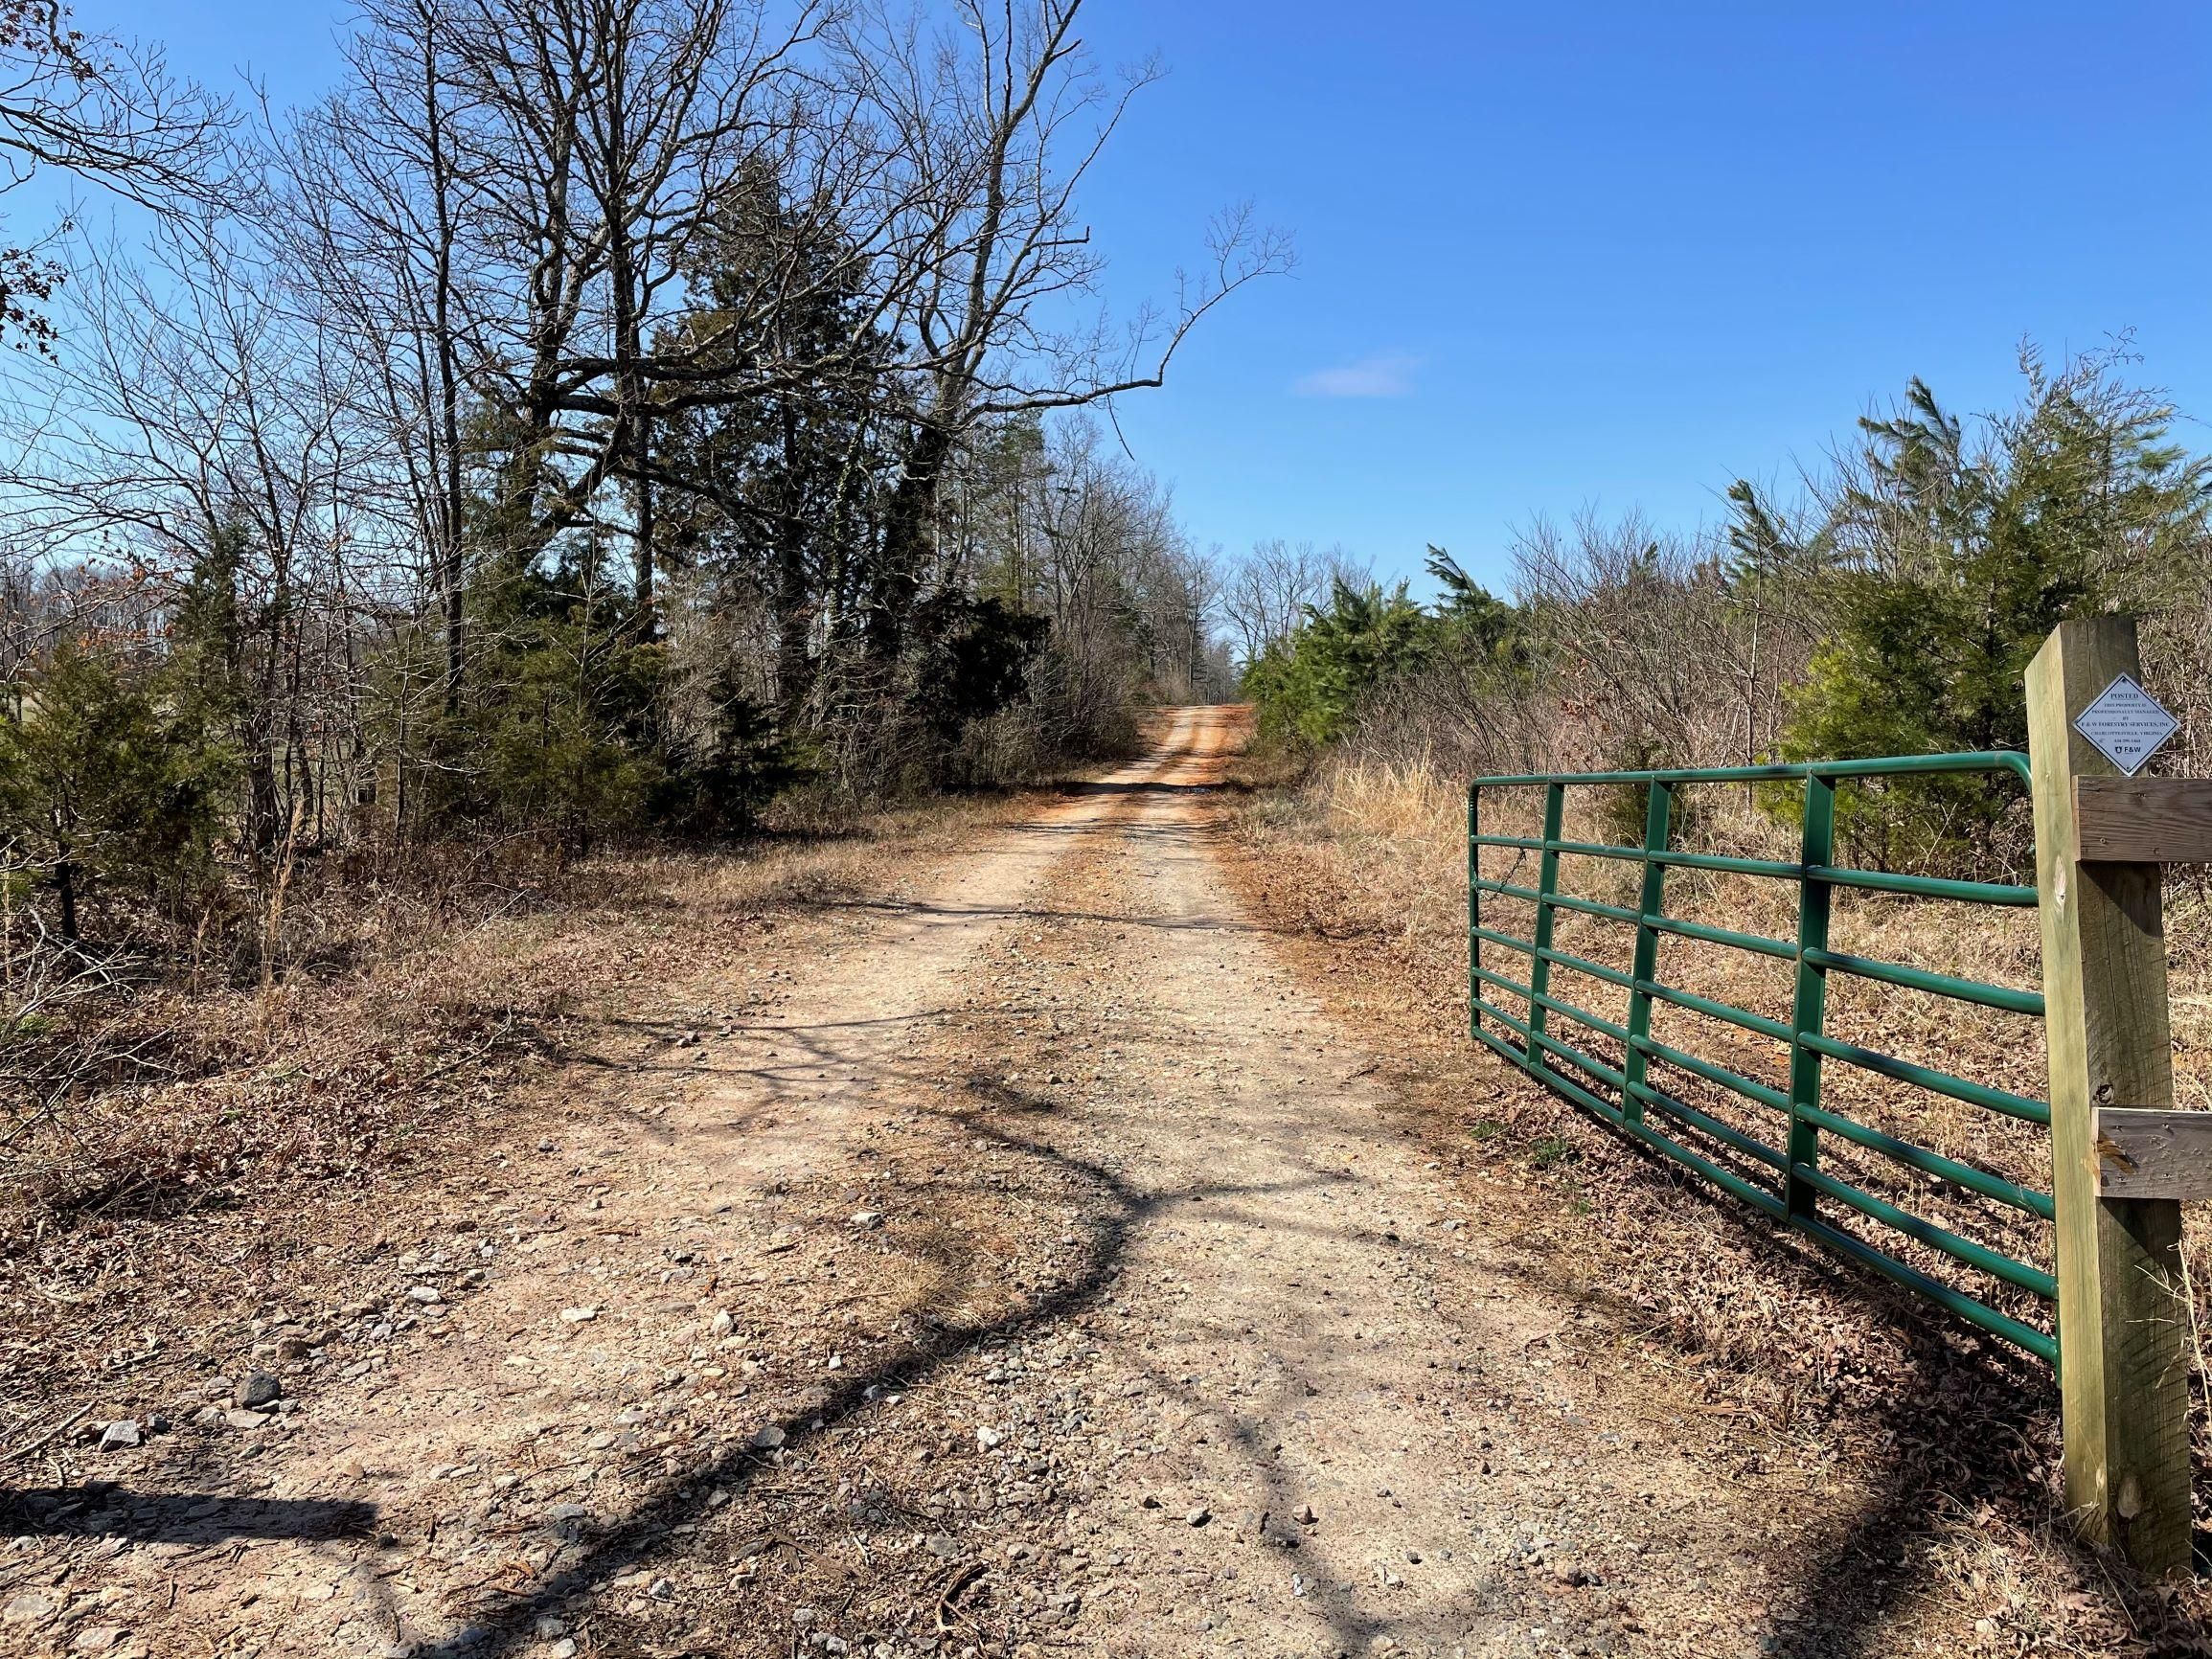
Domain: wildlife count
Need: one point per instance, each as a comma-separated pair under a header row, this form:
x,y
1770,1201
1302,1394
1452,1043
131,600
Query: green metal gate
x,y
1654,1116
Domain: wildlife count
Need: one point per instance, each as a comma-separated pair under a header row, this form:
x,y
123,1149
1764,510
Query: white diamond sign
x,y
2125,725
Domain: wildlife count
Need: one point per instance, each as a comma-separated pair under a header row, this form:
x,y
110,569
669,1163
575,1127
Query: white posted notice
x,y
2125,725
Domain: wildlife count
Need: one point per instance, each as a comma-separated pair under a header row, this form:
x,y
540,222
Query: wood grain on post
x,y
2123,1359
2144,819
2147,1154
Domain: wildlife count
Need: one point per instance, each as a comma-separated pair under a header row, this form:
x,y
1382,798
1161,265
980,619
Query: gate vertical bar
x,y
2123,1325
1644,966
1539,973
1809,1007
1473,909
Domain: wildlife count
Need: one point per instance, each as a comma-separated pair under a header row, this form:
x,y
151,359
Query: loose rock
x,y
29,1607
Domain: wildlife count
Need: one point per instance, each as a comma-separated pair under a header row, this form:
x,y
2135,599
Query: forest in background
x,y
590,421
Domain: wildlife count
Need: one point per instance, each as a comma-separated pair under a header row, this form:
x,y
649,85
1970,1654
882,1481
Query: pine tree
x,y
99,784
1949,560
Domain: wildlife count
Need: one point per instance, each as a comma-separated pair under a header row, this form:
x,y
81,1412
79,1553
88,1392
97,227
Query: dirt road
x,y
1021,1264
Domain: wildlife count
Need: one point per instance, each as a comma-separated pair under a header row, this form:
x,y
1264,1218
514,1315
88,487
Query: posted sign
x,y
2125,725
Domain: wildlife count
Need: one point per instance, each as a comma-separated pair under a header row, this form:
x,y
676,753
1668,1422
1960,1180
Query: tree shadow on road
x,y
1115,1210
105,1510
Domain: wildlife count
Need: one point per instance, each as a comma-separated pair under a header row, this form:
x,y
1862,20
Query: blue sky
x,y
1615,255
1624,254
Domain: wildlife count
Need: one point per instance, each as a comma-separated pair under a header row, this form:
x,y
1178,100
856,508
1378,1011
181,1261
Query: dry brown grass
x,y
1957,1433
198,1145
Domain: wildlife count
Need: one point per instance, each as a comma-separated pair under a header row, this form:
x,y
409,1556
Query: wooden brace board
x,y
2147,1153
2143,820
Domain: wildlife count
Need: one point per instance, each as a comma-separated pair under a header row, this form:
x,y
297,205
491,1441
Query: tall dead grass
x,y
1955,1432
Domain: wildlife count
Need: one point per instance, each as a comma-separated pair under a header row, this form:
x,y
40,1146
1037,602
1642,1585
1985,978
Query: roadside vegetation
x,y
585,435
1886,605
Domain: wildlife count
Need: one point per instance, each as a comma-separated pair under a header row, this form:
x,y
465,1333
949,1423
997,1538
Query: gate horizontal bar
x,y
1775,869
1764,1093
1928,886
1996,1099
1899,765
1973,990
1933,1163
1758,1023
1750,1146
1799,1182
1959,1249
1564,900
1756,943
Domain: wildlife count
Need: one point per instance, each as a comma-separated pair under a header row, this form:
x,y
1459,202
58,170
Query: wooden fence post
x,y
2123,1327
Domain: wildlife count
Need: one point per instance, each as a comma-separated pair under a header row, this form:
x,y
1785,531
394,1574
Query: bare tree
x,y
1265,595
1639,627
98,110
193,428
993,123
368,211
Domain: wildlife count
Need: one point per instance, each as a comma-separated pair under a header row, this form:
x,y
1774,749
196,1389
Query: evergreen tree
x,y
1950,562
781,494
1307,686
1476,621
99,784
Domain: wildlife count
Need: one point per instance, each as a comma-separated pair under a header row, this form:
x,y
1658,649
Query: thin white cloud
x,y
1382,375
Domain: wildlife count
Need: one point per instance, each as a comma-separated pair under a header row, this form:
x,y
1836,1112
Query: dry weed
x,y
177,1140
1839,1367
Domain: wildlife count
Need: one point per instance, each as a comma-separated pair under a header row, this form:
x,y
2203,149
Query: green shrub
x,y
103,781
1948,561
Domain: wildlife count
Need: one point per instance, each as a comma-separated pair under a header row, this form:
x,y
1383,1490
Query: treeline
x,y
591,420
1889,606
